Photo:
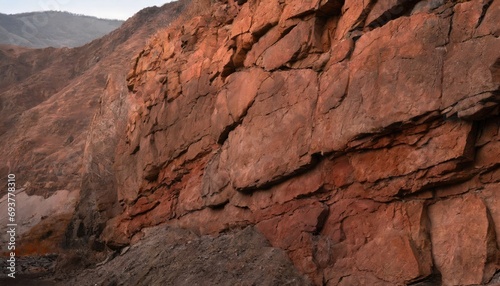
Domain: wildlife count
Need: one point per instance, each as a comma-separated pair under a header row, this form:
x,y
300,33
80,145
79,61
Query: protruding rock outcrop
x,y
362,138
359,137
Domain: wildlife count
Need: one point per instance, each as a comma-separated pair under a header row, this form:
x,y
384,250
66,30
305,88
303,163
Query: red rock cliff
x,y
362,137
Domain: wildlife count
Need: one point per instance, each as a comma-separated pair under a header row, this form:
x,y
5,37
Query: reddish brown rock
x,y
487,25
234,100
285,231
341,50
466,18
333,87
489,154
437,147
405,70
384,11
214,221
190,198
296,8
216,188
264,42
330,129
346,120
490,195
463,238
394,263
283,108
372,238
287,49
346,131
243,21
265,16
294,231
477,76
353,16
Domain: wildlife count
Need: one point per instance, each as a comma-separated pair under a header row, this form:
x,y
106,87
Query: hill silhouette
x,y
53,29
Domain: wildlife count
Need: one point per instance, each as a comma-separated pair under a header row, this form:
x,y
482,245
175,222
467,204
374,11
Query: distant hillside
x,y
52,29
48,99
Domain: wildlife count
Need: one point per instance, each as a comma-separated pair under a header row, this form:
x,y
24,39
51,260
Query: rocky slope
x,y
48,99
360,137
52,29
172,256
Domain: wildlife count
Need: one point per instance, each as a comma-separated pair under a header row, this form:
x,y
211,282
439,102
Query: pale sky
x,y
110,9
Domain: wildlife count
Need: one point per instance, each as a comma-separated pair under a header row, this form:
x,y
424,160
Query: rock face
x,y
361,138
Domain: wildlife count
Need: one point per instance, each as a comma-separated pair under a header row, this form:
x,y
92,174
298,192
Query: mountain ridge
x,y
32,13
53,29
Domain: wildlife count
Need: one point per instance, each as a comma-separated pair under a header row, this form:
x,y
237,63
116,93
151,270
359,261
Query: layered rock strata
x,y
360,137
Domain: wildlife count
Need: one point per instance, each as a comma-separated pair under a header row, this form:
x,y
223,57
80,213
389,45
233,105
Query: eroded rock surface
x,y
362,138
356,136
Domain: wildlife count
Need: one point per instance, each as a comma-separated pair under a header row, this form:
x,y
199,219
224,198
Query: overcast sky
x,y
111,9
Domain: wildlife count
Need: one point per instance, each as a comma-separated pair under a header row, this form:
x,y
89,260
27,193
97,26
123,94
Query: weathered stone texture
x,y
360,137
